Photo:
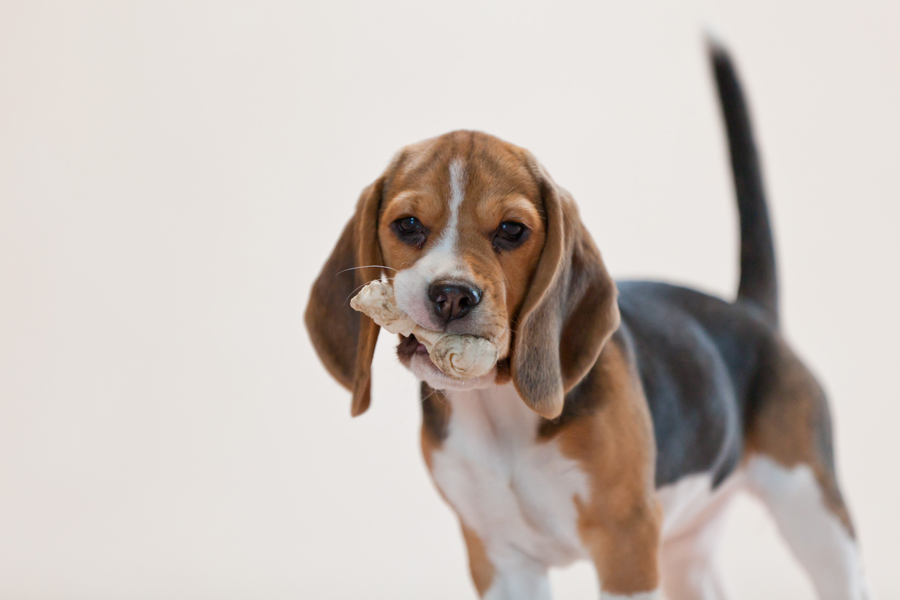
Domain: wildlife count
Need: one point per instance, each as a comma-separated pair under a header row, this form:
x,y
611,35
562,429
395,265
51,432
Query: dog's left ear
x,y
343,338
570,310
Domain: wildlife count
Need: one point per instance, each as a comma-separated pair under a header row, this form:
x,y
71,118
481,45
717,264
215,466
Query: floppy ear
x,y
570,310
343,338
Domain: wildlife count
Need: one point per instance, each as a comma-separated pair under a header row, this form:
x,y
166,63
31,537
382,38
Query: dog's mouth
x,y
409,346
414,356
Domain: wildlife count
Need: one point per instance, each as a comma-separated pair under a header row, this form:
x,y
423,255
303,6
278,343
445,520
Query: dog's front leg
x,y
517,578
625,550
620,519
624,546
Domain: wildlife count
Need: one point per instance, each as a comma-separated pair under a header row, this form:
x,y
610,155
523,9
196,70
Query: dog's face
x,y
478,240
461,233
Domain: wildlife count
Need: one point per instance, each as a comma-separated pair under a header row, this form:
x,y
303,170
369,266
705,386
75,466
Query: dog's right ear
x,y
343,338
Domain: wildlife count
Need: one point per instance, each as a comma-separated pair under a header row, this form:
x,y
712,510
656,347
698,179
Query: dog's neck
x,y
497,407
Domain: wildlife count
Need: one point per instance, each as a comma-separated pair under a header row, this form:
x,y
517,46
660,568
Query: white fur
x,y
692,500
683,500
693,520
443,261
424,369
457,194
692,523
816,536
520,582
516,492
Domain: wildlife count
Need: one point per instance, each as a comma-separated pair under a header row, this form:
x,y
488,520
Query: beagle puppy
x,y
621,416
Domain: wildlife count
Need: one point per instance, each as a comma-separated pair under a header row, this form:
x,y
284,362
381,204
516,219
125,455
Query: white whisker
x,y
365,267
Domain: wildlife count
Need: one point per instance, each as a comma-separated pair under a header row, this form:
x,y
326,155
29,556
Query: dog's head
x,y
479,240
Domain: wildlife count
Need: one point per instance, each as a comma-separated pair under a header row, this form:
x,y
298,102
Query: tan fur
x,y
620,522
416,183
498,187
553,292
480,566
555,274
553,302
788,426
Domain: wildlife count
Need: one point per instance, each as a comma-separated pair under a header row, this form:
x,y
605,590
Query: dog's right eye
x,y
410,231
409,225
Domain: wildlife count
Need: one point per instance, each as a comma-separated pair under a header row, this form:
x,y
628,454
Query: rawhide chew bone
x,y
459,356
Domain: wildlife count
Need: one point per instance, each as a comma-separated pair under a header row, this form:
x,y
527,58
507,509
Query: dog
x,y
622,416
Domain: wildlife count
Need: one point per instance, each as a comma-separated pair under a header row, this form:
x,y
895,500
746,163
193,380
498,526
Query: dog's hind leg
x,y
815,533
790,467
688,568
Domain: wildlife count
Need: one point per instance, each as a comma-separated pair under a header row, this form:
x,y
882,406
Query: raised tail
x,y
759,281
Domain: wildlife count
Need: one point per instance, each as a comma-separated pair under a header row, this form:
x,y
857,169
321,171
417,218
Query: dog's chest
x,y
516,491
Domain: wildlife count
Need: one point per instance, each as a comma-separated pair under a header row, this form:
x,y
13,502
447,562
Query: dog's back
x,y
731,402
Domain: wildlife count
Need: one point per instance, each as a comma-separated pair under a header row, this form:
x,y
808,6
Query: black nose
x,y
453,300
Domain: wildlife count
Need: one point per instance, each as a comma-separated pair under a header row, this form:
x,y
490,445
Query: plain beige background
x,y
174,174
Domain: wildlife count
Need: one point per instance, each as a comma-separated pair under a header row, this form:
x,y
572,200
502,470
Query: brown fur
x,y
613,442
570,310
343,338
792,425
480,566
554,295
498,187
435,414
553,292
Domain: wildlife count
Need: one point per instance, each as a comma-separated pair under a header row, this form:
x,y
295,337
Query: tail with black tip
x,y
759,281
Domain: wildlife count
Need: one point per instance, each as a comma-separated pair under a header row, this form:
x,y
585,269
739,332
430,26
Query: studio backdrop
x,y
173,176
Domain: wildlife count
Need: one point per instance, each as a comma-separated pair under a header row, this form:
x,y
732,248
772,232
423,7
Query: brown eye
x,y
410,230
409,225
510,235
511,229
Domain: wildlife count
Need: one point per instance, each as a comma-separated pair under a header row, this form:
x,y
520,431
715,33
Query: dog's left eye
x,y
510,235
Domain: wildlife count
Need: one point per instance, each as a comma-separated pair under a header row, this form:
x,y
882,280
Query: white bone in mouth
x,y
458,356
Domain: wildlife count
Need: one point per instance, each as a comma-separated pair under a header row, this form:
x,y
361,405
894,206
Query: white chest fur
x,y
513,489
